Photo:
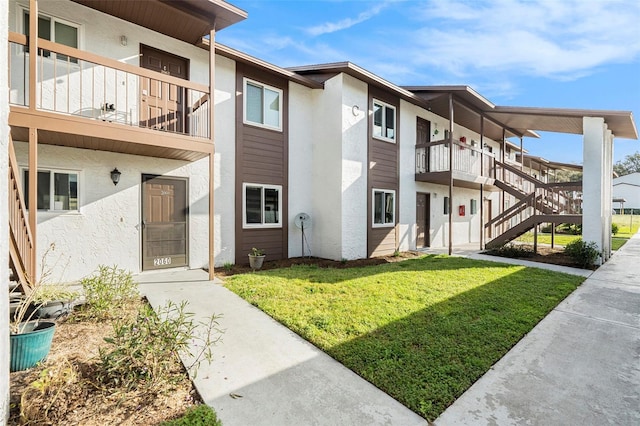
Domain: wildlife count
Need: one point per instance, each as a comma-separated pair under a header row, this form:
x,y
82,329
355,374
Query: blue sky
x,y
541,53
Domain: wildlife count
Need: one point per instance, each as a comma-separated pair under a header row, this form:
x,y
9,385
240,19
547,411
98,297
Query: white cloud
x,y
548,38
343,24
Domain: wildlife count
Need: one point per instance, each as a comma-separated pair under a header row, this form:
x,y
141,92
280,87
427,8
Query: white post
x,y
597,186
4,214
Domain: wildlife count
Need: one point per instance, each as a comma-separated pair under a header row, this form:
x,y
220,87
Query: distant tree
x,y
568,176
630,164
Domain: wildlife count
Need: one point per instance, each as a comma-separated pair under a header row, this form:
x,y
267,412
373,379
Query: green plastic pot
x,y
32,345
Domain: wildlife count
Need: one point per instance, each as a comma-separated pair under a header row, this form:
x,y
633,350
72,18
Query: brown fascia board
x,y
244,58
465,92
219,11
361,74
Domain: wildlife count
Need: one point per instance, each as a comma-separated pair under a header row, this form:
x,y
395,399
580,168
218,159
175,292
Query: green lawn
x,y
422,330
559,239
627,227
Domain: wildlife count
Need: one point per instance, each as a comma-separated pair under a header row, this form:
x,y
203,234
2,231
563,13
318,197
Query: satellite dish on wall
x,y
303,221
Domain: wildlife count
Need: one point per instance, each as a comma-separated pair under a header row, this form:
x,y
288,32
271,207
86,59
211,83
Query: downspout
x,y
450,173
212,85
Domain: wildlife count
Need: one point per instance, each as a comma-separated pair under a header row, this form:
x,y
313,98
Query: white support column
x,y
597,184
4,214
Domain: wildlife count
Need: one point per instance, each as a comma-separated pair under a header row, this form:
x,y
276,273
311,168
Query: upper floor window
x,y
384,121
262,105
55,30
262,205
384,207
57,190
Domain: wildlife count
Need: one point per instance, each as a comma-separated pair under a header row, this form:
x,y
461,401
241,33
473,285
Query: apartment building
x,y
123,124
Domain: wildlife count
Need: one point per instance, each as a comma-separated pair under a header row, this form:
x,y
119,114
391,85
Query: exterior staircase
x,y
538,202
21,246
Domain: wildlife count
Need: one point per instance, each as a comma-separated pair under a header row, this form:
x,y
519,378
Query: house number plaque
x,y
161,261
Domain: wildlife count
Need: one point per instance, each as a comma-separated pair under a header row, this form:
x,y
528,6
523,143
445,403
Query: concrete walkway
x,y
579,366
264,374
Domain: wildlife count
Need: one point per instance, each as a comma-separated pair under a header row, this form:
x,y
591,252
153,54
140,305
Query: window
x,y
57,190
384,121
446,205
262,105
262,205
473,206
54,30
384,207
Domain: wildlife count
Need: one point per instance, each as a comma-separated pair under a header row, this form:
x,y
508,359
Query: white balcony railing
x,y
79,83
434,157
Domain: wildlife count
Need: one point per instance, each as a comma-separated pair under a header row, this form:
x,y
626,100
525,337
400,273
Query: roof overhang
x,y
242,57
561,120
323,72
468,109
186,20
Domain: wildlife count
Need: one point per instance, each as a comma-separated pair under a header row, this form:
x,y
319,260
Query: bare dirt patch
x,y
73,395
316,261
546,254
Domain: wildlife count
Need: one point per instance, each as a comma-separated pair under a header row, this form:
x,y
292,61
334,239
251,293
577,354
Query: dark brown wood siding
x,y
382,174
262,157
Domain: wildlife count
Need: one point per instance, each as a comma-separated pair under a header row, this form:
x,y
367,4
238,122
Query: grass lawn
x,y
559,239
628,225
422,330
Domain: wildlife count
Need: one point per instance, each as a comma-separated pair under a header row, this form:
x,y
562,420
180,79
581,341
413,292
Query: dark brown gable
x,y
262,157
382,174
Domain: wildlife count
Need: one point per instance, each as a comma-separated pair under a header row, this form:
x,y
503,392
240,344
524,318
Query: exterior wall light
x,y
123,40
115,176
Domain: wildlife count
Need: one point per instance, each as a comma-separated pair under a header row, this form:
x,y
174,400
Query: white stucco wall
x,y
4,223
107,228
354,167
301,115
225,161
326,173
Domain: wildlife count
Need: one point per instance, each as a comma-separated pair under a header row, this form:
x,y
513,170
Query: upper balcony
x,y
101,103
471,165
88,81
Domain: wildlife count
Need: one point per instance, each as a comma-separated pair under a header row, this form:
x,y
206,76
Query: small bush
x,y
107,292
512,250
615,228
546,228
200,415
583,253
228,266
139,354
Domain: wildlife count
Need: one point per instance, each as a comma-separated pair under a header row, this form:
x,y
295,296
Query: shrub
x,y
583,253
107,292
199,415
142,350
512,250
546,228
615,228
576,229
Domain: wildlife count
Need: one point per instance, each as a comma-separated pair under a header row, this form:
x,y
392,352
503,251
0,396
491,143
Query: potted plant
x,y
29,340
53,301
256,258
